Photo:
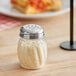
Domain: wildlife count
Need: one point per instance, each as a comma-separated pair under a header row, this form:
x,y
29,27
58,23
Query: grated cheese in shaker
x,y
32,48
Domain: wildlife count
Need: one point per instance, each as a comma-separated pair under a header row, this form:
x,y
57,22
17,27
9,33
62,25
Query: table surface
x,y
59,62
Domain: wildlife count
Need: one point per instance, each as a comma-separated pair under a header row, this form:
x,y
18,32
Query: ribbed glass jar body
x,y
32,53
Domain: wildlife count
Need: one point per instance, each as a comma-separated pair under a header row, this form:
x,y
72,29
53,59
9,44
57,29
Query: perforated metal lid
x,y
31,31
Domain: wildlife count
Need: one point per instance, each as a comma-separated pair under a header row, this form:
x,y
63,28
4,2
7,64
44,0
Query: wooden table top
x,y
59,62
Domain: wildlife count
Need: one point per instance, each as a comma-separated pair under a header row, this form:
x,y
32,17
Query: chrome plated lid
x,y
31,31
